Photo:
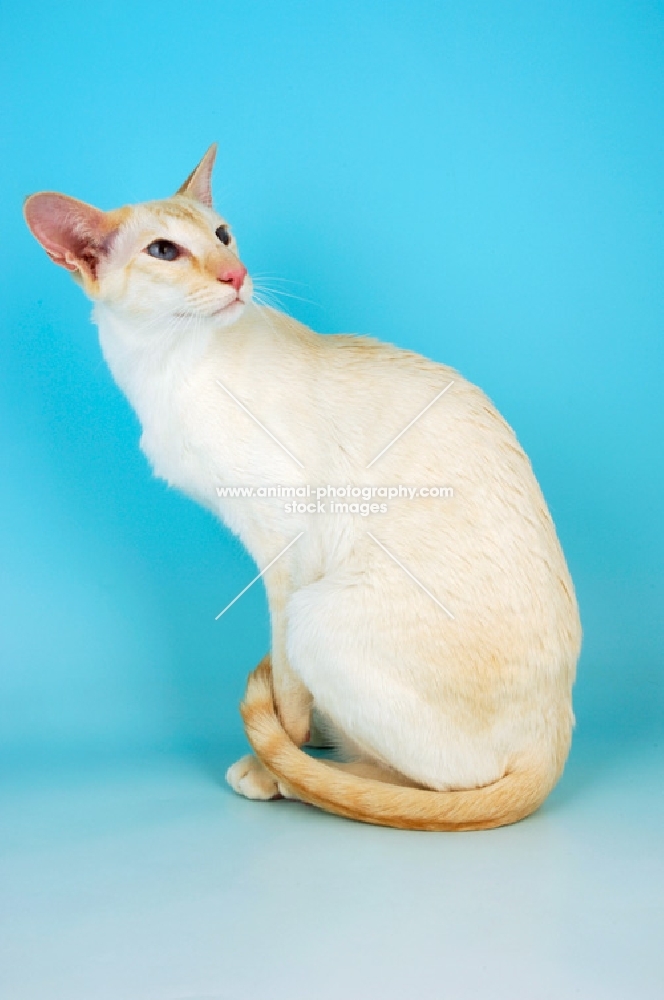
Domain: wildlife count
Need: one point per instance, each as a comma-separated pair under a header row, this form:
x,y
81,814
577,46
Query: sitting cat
x,y
437,638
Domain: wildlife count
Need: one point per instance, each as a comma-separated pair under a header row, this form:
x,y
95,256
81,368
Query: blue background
x,y
478,181
481,182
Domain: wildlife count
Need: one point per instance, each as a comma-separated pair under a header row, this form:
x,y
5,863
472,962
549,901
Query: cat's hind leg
x,y
251,779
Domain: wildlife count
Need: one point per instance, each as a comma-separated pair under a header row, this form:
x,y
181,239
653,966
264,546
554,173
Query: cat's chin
x,y
228,314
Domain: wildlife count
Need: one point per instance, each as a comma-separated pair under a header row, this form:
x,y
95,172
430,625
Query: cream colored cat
x,y
437,639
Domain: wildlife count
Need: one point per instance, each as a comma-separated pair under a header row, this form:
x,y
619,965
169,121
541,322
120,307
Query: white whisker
x,y
279,293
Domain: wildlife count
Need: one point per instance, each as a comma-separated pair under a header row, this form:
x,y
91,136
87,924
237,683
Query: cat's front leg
x,y
249,777
292,699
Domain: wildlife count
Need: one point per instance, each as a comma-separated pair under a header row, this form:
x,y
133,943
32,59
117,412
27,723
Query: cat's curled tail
x,y
507,800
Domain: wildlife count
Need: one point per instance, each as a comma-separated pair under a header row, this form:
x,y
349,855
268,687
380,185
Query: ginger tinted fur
x,y
435,641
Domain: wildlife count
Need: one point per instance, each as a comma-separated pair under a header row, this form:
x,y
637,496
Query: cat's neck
x,y
147,358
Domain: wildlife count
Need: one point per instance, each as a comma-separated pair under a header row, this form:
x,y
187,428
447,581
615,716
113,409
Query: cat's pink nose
x,y
234,276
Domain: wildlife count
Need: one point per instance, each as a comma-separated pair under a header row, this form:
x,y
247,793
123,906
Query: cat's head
x,y
175,257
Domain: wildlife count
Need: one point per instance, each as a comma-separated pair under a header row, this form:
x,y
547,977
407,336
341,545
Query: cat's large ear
x,y
198,184
73,234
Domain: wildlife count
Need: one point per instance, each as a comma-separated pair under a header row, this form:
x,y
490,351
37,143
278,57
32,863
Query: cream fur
x,y
443,703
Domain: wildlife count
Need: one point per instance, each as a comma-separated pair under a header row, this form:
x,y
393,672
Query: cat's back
x,y
425,414
407,420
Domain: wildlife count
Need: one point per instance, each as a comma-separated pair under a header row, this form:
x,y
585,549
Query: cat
x,y
436,638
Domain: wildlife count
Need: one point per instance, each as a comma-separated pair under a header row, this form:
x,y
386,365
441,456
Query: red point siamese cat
x,y
437,639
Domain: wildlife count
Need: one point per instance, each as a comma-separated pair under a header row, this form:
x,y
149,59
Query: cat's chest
x,y
184,442
154,386
202,441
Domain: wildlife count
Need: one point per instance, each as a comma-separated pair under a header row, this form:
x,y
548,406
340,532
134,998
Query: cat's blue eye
x,y
163,250
223,235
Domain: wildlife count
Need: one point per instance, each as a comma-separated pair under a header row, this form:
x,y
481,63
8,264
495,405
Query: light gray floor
x,y
153,882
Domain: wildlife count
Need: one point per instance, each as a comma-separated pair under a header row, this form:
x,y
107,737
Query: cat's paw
x,y
248,777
